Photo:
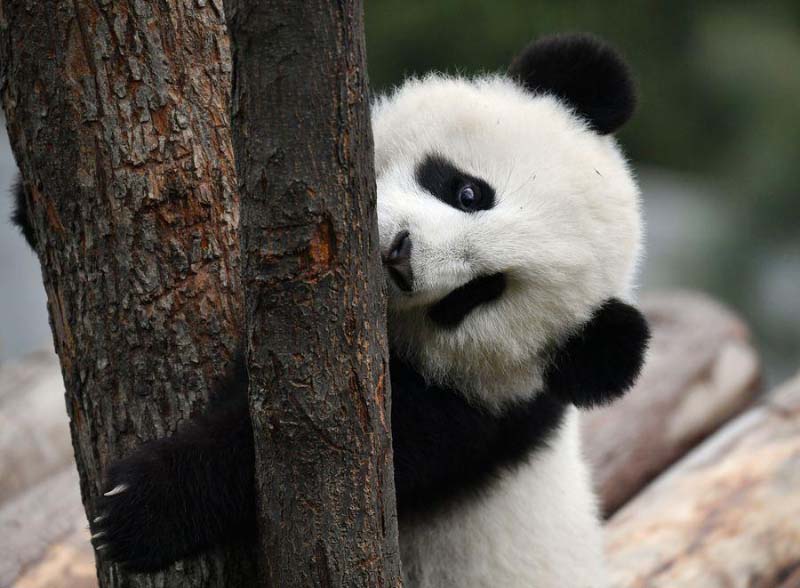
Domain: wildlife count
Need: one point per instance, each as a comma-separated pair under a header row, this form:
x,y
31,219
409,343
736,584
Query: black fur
x,y
584,72
445,447
186,493
443,180
19,216
194,490
453,308
601,361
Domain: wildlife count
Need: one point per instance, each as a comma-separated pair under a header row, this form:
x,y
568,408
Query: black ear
x,y
584,72
600,362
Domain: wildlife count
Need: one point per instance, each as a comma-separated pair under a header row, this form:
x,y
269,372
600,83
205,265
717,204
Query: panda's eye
x,y
454,187
469,197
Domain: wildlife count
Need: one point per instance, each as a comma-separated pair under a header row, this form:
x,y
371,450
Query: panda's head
x,y
507,212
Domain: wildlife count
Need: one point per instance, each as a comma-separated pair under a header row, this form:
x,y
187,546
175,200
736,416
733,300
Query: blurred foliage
x,y
719,85
717,80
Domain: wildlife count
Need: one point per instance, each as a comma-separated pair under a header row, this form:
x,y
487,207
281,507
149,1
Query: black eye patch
x,y
452,186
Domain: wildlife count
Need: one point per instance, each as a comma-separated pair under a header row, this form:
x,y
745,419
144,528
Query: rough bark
x,y
701,371
320,398
726,516
118,118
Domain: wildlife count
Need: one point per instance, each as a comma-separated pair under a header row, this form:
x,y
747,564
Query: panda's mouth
x,y
454,308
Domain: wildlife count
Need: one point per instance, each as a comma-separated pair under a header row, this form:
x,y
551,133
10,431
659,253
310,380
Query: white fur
x,y
565,229
537,528
566,233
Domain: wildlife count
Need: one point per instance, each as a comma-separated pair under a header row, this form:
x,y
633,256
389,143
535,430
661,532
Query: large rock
x,y
726,516
701,370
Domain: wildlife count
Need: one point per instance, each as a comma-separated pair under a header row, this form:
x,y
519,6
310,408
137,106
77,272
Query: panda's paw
x,y
136,521
600,362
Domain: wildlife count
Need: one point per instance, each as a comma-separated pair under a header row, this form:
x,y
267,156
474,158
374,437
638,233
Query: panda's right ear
x,y
584,72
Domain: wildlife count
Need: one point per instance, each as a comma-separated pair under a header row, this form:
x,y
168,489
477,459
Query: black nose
x,y
398,261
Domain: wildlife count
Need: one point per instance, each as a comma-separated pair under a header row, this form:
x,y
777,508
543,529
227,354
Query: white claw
x,y
101,547
98,535
118,489
98,519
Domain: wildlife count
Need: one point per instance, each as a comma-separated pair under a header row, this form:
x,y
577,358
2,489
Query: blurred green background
x,y
715,141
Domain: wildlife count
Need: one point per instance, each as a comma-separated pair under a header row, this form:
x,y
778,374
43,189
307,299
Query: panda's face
x,y
504,220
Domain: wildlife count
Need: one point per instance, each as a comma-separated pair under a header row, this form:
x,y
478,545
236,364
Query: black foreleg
x,y
176,497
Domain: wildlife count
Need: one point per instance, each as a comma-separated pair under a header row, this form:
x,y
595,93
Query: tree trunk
x,y
118,117
317,349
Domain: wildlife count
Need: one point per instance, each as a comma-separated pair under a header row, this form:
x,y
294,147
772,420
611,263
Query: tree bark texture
x,y
118,114
317,348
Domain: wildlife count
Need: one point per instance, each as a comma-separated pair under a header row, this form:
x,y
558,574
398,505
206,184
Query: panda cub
x,y
510,232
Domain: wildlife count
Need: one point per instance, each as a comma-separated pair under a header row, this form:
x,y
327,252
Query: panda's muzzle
x,y
398,261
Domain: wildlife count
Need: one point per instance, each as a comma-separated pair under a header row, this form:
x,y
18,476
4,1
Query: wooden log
x,y
728,515
689,330
701,371
45,542
66,564
34,428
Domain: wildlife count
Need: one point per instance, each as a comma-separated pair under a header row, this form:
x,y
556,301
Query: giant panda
x,y
510,232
